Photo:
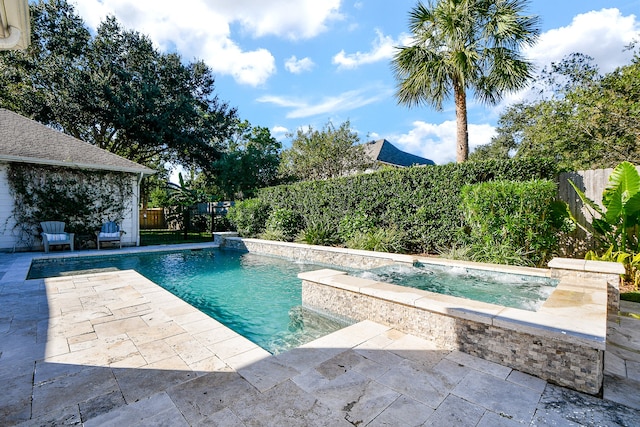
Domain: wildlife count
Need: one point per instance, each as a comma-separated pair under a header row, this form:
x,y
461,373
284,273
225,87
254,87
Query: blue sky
x,y
287,64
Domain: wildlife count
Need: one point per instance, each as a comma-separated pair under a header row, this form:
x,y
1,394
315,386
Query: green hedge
x,y
249,217
424,202
513,222
283,224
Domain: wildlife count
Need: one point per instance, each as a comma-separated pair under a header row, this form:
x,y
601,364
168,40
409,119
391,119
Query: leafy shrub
x,y
277,235
378,239
222,223
283,224
456,252
424,202
355,223
200,223
249,216
514,222
630,262
496,252
319,233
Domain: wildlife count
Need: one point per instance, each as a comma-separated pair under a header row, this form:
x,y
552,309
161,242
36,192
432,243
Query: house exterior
x,y
24,141
15,25
382,152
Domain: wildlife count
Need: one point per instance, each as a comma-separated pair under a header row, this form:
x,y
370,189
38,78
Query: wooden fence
x,y
152,219
155,218
592,183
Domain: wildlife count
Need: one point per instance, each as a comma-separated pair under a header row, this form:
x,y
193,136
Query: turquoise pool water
x,y
510,290
259,297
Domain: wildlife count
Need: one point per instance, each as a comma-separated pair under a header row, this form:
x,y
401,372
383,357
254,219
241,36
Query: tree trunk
x,y
462,134
186,216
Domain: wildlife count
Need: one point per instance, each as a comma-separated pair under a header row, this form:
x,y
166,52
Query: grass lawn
x,y
628,292
630,296
167,237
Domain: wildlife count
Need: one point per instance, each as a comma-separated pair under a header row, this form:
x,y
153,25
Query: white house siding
x,y
130,221
7,238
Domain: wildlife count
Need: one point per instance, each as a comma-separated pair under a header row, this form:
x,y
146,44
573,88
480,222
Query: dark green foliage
x,y
81,199
222,223
115,90
283,224
249,216
250,161
355,223
182,198
327,153
513,222
583,120
630,296
319,233
379,240
424,202
171,237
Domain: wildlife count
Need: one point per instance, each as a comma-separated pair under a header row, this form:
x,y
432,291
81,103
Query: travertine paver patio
x,y
116,349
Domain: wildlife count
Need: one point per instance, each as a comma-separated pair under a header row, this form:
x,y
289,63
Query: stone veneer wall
x,y
315,254
574,361
560,361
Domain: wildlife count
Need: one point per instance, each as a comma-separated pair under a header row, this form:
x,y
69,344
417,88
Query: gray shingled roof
x,y
27,141
385,152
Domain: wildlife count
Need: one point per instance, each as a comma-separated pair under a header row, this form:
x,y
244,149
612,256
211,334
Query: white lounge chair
x,y
110,232
53,234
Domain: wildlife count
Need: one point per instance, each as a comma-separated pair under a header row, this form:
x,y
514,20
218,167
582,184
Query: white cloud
x,y
601,34
202,29
282,101
279,132
299,19
297,66
345,101
373,136
438,141
382,48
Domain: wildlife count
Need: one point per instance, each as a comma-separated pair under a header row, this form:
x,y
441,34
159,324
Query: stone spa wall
x,y
563,342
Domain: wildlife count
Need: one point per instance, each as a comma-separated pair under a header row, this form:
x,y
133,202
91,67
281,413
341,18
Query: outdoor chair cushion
x,y
56,237
110,227
53,234
110,232
109,235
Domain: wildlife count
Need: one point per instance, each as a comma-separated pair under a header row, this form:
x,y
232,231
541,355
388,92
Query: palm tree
x,y
464,45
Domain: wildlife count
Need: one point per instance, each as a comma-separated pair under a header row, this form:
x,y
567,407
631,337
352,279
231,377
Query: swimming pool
x,y
505,289
257,296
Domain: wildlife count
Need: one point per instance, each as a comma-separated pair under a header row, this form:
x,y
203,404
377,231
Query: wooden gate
x,y
152,219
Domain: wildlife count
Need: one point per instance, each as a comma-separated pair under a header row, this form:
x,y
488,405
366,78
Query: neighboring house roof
x,y
385,152
27,141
